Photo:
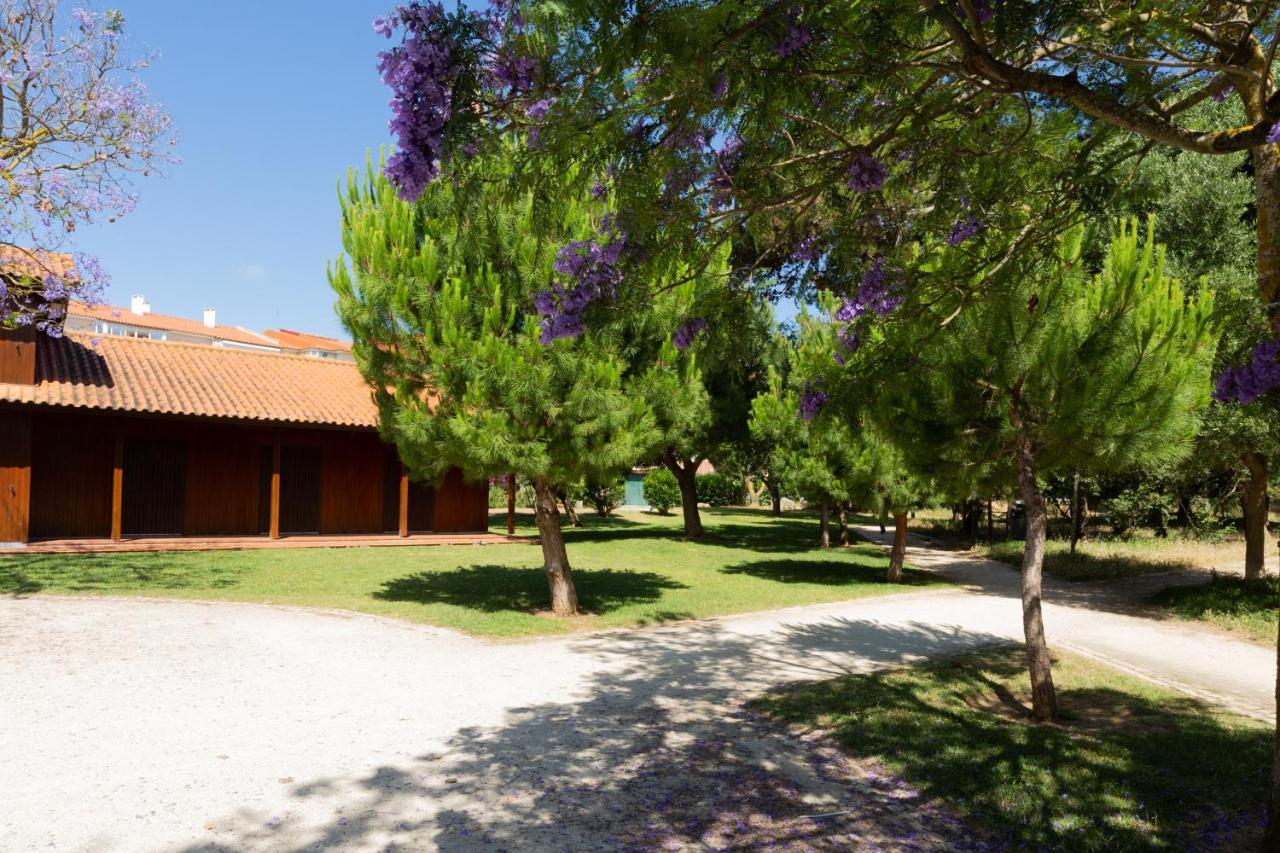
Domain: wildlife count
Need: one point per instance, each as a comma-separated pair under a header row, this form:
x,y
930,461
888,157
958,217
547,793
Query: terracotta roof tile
x,y
138,375
167,323
34,262
302,340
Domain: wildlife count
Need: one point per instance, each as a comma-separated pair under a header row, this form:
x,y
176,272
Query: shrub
x,y
1205,522
661,491
1139,507
719,490
605,499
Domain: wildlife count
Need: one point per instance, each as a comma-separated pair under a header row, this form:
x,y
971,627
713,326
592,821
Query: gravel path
x,y
160,725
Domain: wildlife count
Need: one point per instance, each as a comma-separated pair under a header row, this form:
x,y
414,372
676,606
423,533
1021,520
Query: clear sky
x,y
273,100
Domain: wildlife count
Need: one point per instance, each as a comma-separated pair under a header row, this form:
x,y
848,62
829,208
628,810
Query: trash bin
x,y
1016,521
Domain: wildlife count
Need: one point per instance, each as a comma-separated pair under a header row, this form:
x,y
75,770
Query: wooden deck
x,y
244,543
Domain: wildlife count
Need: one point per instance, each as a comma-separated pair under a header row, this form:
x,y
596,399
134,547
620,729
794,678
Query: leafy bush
x,y
1205,521
1139,507
604,499
661,491
719,490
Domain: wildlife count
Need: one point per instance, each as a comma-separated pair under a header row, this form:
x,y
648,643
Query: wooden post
x,y
404,501
511,505
117,486
275,485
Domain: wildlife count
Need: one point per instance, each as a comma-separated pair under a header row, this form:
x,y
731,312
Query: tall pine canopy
x,y
439,296
1058,370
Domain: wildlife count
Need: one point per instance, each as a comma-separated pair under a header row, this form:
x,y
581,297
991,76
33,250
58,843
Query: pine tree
x,y
1057,371
439,298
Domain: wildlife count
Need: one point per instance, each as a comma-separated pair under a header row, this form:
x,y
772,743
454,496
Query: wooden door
x,y
300,470
155,487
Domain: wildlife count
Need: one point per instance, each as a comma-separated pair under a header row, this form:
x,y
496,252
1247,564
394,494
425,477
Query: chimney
x,y
139,305
210,318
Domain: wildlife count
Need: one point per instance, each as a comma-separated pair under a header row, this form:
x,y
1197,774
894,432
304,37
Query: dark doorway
x,y
155,487
300,471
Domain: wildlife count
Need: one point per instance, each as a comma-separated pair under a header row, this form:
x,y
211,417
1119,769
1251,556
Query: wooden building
x,y
116,437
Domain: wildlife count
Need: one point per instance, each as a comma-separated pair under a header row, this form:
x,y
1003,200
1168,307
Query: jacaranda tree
x,y
76,128
446,300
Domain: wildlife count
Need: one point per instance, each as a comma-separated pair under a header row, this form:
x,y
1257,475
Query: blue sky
x,y
273,101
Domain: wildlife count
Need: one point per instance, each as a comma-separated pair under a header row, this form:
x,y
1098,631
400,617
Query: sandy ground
x,y
145,725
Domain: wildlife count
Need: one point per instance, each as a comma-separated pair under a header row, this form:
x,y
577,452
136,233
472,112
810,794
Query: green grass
x,y
632,570
1249,608
1129,767
1102,559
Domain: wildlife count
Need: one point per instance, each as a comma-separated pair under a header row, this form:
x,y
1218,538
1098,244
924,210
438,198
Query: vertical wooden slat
x,y
275,485
117,485
511,505
404,501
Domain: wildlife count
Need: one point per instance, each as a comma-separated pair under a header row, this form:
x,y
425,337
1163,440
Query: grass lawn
x,y
1249,608
631,570
1139,553
1103,559
1129,767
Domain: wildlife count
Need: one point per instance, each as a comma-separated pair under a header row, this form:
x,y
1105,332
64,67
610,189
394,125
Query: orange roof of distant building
x,y
290,339
167,323
34,262
138,375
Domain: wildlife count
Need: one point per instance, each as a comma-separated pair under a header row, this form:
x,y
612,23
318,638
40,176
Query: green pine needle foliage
x,y
1100,372
437,296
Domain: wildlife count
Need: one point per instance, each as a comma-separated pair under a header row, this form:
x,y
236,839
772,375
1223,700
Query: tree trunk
x,y
555,559
824,524
1266,178
775,496
899,552
1075,510
1044,701
843,514
570,513
1256,506
687,477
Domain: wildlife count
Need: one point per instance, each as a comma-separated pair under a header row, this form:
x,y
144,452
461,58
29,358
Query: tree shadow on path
x,y
660,752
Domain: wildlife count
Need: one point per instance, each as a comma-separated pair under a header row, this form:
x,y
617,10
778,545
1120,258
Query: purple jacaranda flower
x,y
383,26
809,249
812,399
599,190
688,331
1221,94
797,36
720,87
1249,381
538,109
984,10
866,173
965,229
1273,135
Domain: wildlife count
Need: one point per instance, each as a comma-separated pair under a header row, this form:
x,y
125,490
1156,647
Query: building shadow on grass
x,y
658,753
127,572
827,572
493,588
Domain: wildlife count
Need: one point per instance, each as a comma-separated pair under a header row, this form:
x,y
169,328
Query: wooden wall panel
x,y
461,506
15,476
222,482
18,355
71,463
352,484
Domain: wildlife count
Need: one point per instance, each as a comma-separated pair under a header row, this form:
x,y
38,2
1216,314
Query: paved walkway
x,y
143,725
